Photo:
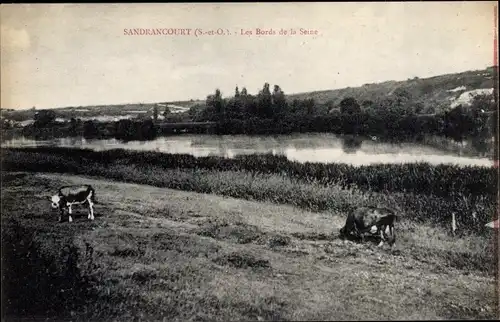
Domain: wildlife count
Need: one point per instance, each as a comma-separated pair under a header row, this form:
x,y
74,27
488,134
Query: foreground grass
x,y
280,181
182,256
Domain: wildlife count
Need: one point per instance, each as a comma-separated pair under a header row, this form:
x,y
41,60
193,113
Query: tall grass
x,y
276,187
41,281
420,178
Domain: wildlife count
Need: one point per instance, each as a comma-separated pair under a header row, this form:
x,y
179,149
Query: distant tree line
x,y
396,115
45,127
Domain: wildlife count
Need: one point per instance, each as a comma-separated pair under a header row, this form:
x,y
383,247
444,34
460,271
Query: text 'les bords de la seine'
x,y
197,32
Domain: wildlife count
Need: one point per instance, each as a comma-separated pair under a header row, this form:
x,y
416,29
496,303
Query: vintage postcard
x,y
249,161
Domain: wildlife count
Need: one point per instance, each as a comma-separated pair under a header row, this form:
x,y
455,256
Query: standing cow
x,y
71,195
363,219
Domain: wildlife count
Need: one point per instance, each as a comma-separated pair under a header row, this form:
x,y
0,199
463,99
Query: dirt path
x,y
188,256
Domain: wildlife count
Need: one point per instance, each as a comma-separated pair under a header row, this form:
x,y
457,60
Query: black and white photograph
x,y
300,161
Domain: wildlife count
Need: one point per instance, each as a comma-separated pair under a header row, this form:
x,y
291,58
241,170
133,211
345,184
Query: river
x,y
310,147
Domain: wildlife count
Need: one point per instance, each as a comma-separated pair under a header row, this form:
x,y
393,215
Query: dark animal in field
x,y
363,219
74,195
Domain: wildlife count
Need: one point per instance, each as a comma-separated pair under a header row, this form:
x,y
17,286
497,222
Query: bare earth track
x,y
175,255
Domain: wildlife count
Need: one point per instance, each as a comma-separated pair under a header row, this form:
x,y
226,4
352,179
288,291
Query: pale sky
x,y
74,55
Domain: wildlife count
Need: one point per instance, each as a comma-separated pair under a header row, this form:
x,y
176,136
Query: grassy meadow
x,y
180,238
421,192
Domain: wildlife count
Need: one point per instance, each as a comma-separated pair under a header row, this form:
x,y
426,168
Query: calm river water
x,y
317,147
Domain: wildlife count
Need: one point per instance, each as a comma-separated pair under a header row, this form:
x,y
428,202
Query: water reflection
x,y
325,148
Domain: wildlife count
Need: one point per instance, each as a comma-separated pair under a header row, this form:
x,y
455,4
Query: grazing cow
x,y
71,195
363,220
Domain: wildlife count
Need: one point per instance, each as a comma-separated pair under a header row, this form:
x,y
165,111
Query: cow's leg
x,y
60,215
358,233
382,232
91,210
393,237
385,231
70,219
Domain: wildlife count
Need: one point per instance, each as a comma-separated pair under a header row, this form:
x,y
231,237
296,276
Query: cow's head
x,y
342,234
55,201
